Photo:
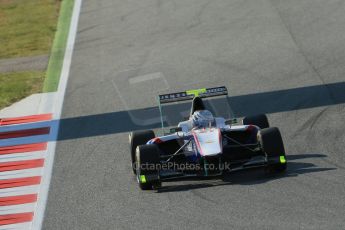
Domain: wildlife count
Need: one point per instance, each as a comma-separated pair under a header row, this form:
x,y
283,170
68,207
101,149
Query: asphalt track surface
x,y
281,57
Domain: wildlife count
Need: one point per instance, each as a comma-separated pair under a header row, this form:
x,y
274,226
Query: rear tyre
x,y
259,120
138,138
272,145
148,160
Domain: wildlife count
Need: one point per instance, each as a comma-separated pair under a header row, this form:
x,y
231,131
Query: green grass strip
x,y
58,50
27,27
15,86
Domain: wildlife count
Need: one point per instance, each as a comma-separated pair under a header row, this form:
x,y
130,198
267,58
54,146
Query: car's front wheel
x,y
147,170
272,145
137,138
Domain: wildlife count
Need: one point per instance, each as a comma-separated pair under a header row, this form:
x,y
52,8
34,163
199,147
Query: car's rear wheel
x,y
138,138
147,170
272,145
259,120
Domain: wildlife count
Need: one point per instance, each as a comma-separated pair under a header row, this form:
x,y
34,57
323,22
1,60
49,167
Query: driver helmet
x,y
203,118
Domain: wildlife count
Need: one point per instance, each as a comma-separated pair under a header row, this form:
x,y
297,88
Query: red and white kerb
x,y
21,167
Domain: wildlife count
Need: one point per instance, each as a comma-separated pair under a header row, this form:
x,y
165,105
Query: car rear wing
x,y
190,94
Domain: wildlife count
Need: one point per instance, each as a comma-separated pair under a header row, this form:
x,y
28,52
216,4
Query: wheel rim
x,y
137,163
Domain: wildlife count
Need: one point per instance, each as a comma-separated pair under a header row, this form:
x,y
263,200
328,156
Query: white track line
x,y
23,226
58,103
22,156
15,209
20,173
147,77
18,191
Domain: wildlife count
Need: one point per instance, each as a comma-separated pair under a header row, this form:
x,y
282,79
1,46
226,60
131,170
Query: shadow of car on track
x,y
186,187
255,175
243,105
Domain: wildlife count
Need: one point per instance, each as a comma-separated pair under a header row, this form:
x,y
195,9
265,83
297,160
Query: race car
x,y
204,145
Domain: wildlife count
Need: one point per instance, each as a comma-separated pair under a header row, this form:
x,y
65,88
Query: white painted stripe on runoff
x,y
18,191
22,226
20,173
58,103
25,140
22,156
147,77
15,209
9,128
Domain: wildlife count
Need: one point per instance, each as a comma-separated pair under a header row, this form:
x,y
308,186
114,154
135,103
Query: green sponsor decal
x,y
143,179
196,92
282,159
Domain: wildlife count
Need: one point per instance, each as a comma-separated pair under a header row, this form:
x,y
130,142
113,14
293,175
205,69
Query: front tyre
x,y
147,170
138,138
272,145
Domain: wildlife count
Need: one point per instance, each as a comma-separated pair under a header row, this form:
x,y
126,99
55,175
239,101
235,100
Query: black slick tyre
x,y
259,120
272,145
147,170
137,138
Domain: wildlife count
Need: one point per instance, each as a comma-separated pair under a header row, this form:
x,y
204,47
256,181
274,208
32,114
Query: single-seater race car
x,y
204,145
